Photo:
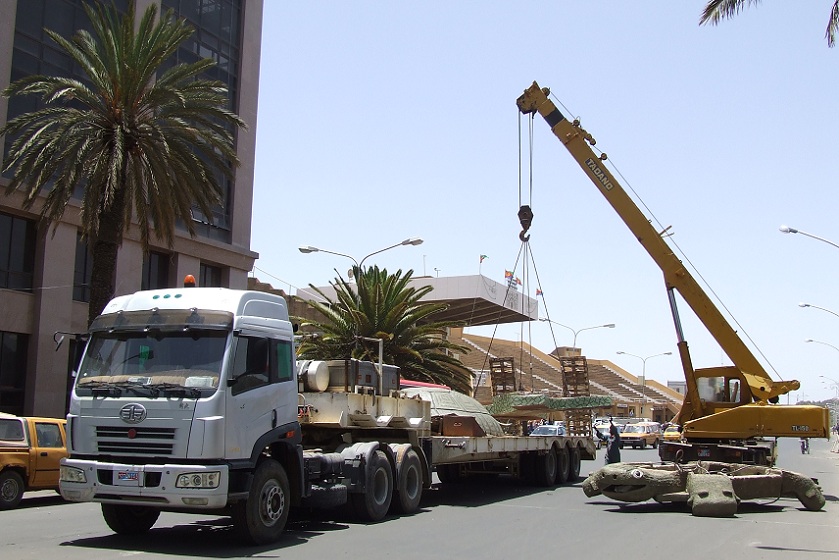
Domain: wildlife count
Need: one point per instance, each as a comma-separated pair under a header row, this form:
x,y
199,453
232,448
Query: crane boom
x,y
746,383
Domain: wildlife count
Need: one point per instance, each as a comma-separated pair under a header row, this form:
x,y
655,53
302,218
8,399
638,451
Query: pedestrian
x,y
613,443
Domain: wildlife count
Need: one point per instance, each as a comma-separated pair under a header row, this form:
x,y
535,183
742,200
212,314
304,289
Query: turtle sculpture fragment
x,y
710,488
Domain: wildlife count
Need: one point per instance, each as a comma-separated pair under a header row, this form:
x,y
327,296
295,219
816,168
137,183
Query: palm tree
x,y
716,10
143,143
384,306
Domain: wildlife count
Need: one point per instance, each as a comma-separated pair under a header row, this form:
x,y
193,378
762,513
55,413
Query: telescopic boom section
x,y
676,276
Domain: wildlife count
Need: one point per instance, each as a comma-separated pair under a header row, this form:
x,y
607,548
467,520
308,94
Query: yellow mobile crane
x,y
731,413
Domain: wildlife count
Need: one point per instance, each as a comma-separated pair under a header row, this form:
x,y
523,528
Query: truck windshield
x,y
153,364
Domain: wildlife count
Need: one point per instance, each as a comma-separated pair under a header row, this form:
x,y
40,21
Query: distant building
x,y
678,386
44,277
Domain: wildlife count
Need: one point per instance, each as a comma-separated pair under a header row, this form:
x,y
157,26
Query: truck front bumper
x,y
165,486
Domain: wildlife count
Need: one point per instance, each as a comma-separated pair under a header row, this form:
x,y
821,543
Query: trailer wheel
x,y
11,489
262,517
373,503
574,469
564,465
129,520
408,482
546,468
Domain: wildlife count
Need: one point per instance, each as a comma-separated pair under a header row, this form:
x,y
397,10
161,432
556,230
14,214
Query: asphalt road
x,y
499,520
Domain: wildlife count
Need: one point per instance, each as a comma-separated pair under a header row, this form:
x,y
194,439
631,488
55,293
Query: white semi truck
x,y
191,400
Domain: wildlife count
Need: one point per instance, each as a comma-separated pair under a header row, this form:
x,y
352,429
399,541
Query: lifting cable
x,y
525,256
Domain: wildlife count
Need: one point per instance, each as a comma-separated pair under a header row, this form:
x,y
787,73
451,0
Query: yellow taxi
x,y
673,433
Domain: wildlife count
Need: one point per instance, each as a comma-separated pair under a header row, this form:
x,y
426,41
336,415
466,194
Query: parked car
x,y
641,434
672,433
549,430
30,451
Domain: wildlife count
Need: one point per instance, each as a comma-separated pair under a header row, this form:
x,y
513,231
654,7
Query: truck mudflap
x,y
174,486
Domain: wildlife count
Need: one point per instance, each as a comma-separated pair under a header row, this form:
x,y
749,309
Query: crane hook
x,y
525,218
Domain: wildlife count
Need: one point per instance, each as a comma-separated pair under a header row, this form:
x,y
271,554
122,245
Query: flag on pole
x,y
538,292
508,274
518,281
482,258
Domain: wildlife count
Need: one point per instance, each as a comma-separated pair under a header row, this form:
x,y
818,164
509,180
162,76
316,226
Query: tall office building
x,y
44,272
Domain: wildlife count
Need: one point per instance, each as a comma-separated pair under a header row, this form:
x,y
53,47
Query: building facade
x,y
45,270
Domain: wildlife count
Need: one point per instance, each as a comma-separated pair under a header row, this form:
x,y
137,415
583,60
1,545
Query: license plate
x,y
128,476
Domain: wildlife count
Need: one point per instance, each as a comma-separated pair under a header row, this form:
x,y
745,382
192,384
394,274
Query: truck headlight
x,y
71,474
199,480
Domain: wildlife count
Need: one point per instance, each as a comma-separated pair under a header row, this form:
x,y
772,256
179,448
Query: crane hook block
x,y
525,218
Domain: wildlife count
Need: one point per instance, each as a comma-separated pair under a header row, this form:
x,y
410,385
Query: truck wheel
x,y
574,470
546,468
373,503
449,474
262,518
11,489
564,465
129,520
408,482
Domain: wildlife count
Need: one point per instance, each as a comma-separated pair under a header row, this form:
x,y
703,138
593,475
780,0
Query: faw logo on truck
x,y
133,413
600,174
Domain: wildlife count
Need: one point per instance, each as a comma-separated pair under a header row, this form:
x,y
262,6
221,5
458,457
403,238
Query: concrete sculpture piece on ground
x,y
710,488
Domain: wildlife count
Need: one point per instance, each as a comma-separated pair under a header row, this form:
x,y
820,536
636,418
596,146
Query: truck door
x,y
262,393
48,451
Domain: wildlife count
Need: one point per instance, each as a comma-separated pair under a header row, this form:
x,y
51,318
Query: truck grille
x,y
135,440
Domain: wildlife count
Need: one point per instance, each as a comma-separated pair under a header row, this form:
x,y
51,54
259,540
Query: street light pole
x,y
832,382
578,331
787,229
820,342
358,264
802,304
644,373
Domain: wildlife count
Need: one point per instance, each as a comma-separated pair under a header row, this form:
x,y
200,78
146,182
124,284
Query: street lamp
x,y
787,229
832,382
644,373
820,342
578,331
358,264
802,304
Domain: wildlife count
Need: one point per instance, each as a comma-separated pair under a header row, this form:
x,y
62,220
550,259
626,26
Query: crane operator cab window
x,y
720,389
259,362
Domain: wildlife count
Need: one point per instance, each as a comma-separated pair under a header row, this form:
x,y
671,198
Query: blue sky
x,y
380,121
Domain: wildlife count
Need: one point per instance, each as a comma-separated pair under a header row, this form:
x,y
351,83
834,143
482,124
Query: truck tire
x,y
11,489
129,520
546,468
374,502
262,518
563,461
575,460
408,482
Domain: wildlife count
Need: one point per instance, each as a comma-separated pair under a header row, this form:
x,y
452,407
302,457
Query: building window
x,y
33,52
17,253
155,271
82,271
210,276
218,32
12,371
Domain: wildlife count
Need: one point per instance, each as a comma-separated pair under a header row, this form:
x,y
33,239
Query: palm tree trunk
x,y
104,253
